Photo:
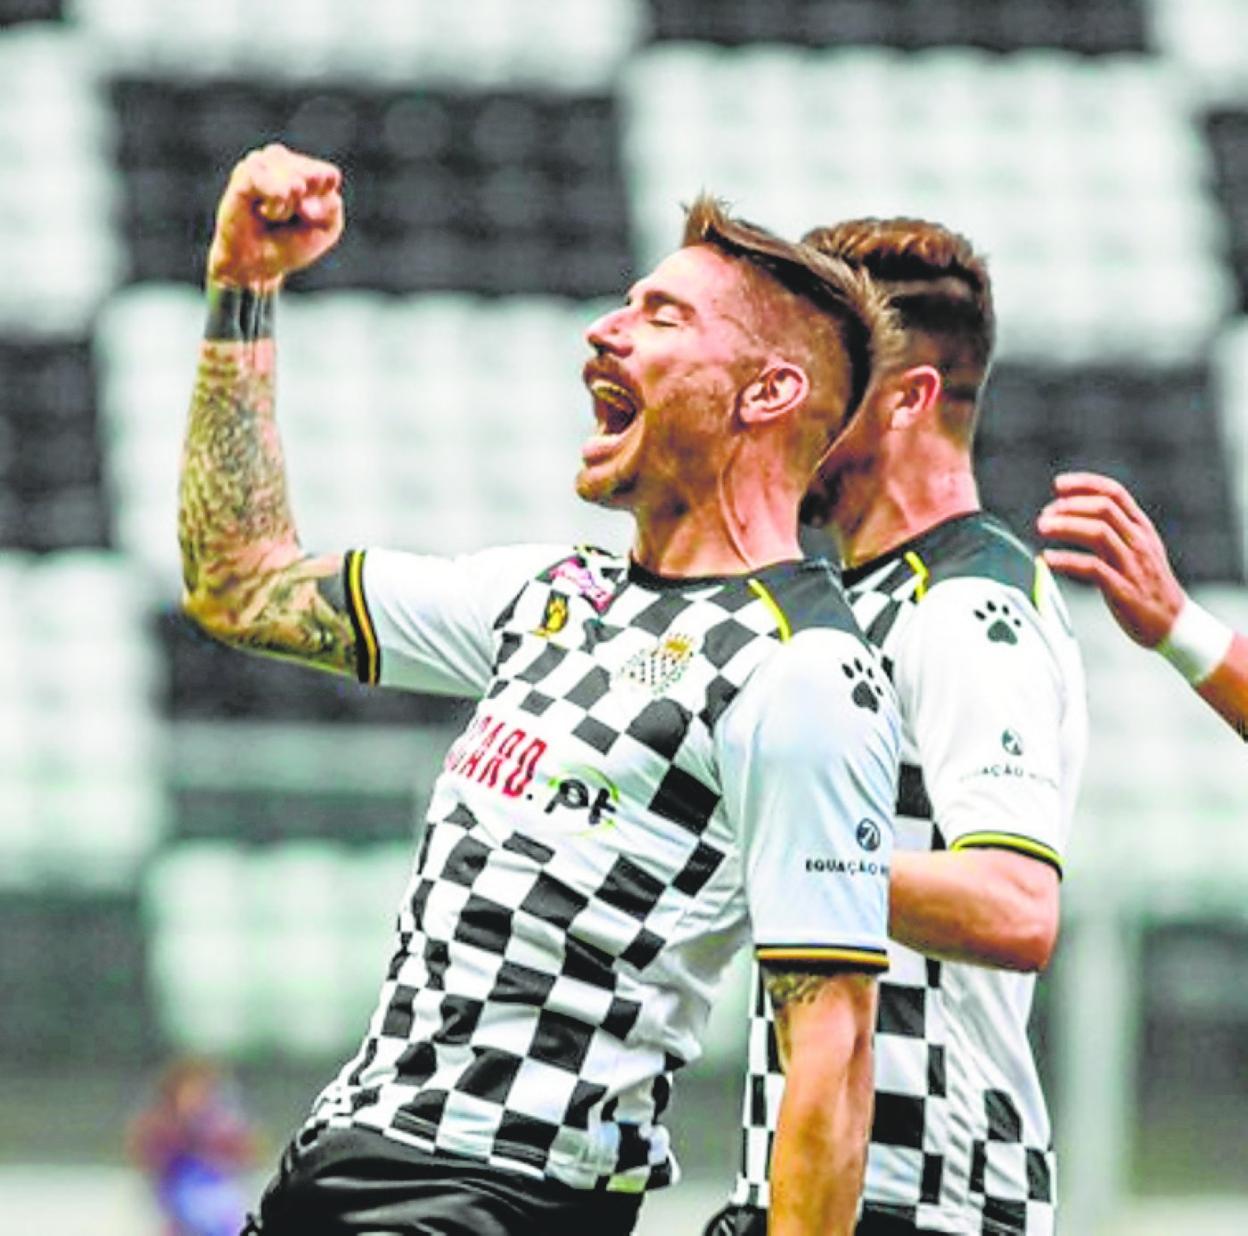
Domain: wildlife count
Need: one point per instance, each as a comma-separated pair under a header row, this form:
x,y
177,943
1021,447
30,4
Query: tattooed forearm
x,y
301,612
246,578
233,494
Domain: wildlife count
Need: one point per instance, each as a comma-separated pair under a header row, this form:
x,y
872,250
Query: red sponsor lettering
x,y
493,766
526,762
460,747
488,751
478,752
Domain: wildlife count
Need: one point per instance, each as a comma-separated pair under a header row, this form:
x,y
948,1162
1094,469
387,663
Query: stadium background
x,y
201,852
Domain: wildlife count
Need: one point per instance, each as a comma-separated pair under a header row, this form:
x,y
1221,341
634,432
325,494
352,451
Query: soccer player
x,y
1120,551
977,643
641,778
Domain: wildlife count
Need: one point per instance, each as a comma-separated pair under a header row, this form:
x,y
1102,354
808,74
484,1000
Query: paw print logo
x,y
865,688
1002,622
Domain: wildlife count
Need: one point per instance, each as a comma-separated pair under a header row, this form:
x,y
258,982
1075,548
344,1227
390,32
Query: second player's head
x,y
939,289
741,352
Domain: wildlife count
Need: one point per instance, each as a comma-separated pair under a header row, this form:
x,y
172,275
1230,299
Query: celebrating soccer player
x,y
990,685
668,746
1120,551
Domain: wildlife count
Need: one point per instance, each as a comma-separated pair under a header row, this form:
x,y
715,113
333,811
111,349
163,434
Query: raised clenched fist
x,y
280,212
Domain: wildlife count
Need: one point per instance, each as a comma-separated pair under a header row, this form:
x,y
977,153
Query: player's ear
x,y
778,390
908,396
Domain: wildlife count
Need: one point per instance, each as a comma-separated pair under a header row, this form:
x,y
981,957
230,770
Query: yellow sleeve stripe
x,y
368,651
1010,841
919,567
861,958
773,606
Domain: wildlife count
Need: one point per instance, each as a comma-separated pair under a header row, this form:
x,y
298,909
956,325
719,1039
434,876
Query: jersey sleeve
x,y
427,623
984,694
808,755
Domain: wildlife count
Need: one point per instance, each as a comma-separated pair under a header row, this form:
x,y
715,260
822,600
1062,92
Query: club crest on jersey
x,y
554,616
660,667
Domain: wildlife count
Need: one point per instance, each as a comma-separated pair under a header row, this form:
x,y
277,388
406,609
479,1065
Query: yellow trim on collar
x,y
919,567
782,622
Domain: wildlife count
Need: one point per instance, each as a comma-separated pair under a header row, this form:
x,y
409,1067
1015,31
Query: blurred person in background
x,y
976,639
194,1143
1119,550
611,825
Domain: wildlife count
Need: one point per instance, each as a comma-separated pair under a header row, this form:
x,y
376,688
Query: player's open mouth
x,y
615,406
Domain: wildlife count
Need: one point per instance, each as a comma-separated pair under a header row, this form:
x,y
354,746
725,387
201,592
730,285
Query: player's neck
x,y
728,534
888,506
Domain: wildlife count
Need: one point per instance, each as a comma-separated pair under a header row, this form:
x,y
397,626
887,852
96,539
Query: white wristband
x,y
1197,643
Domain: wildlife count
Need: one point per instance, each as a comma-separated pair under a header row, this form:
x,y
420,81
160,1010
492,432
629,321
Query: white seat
x,y
196,883
202,987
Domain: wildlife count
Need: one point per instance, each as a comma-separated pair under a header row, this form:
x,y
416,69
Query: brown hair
x,y
852,321
938,287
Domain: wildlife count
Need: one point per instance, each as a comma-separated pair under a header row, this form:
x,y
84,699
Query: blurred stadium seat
x,y
81,779
1002,26
59,254
1205,40
257,950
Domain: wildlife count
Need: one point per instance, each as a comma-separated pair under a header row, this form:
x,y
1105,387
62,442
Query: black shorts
x,y
749,1221
354,1182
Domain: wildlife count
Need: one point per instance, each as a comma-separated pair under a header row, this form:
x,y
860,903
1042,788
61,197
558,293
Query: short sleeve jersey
x,y
973,633
655,770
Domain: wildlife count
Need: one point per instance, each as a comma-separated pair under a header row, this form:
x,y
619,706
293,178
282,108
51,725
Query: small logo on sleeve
x,y
1012,743
868,835
1002,623
865,690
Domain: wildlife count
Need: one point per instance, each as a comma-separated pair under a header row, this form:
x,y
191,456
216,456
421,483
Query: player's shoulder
x,y
809,596
984,585
821,645
978,547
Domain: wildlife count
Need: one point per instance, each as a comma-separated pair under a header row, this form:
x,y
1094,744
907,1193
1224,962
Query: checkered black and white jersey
x,y
972,631
639,782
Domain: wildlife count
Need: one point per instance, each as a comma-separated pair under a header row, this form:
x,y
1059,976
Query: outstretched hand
x,y
1125,557
280,212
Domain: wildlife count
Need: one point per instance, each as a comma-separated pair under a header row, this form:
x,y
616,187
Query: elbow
x,y
211,617
1034,939
1027,912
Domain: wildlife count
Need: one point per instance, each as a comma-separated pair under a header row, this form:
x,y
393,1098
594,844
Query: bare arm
x,y
824,1024
246,579
1121,553
1226,689
987,907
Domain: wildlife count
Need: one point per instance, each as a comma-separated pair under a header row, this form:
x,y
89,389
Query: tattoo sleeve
x,y
246,578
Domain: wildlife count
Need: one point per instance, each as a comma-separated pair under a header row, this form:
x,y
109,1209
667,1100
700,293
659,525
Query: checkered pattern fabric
x,y
950,1147
543,992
